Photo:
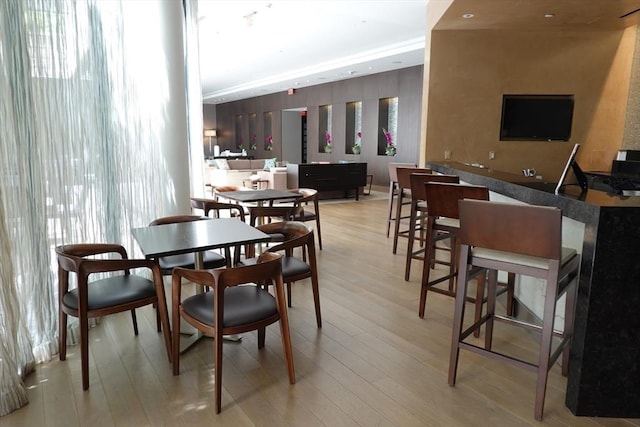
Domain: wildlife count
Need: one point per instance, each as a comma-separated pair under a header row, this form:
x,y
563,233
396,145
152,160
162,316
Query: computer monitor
x,y
579,178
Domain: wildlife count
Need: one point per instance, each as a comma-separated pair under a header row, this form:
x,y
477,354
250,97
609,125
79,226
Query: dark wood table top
x,y
195,236
267,195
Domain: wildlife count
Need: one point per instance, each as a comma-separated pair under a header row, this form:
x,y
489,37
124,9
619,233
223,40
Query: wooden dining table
x,y
259,196
195,237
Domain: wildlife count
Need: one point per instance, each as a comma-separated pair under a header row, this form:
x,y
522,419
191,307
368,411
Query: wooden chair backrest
x,y
393,166
284,213
418,180
177,218
522,229
442,199
210,205
404,173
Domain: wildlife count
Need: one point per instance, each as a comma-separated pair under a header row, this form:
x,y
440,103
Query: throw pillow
x,y
223,164
270,163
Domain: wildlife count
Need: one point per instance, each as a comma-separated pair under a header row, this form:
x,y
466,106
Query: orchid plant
x,y
327,146
268,143
358,144
390,149
253,145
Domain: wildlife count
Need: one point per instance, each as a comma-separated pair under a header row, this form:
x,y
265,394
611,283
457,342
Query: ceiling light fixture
x,y
468,15
549,15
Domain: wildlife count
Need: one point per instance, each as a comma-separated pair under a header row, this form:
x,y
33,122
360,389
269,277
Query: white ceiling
x,y
254,48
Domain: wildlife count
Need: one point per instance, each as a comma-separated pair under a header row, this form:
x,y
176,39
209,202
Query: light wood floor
x,y
374,362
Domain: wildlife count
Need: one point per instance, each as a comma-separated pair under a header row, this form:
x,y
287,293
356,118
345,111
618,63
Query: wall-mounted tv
x,y
536,117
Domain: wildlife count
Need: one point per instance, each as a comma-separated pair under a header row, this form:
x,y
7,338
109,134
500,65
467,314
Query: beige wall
x,y
471,70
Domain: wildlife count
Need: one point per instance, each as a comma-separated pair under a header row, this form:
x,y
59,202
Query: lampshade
x,y
210,132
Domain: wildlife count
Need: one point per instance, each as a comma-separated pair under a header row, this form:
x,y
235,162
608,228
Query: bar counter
x,y
604,371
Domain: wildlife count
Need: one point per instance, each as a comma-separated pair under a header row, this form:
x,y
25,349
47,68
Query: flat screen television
x,y
536,117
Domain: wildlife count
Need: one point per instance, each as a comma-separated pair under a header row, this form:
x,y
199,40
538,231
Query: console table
x,y
604,370
328,177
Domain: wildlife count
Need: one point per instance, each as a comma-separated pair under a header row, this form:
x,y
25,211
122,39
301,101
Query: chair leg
x,y
261,337
545,342
175,340
410,241
392,193
479,301
316,299
458,314
134,319
218,372
318,227
396,225
511,281
426,268
84,350
158,323
492,279
289,294
62,334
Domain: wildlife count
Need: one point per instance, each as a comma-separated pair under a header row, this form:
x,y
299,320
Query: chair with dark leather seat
x,y
295,235
237,303
525,240
215,209
113,293
210,259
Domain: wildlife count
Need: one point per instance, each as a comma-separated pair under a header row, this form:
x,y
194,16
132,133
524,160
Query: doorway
x,y
294,135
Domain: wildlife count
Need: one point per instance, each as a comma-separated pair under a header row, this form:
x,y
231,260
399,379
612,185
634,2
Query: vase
x,y
355,149
327,149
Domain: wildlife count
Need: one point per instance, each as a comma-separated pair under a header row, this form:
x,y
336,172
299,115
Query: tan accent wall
x,y
471,70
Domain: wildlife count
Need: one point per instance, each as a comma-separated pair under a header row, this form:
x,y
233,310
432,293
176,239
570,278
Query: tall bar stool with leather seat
x,y
443,224
525,240
404,199
418,214
393,189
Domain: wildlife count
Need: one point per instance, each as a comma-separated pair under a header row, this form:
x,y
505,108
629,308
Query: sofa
x,y
236,172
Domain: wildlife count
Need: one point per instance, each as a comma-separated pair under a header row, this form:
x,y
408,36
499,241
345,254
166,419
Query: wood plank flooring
x,y
374,362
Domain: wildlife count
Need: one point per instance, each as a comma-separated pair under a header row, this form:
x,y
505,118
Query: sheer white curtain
x,y
87,103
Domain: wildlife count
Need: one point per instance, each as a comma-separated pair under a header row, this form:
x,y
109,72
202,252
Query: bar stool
x,y
393,189
443,224
418,215
404,187
525,240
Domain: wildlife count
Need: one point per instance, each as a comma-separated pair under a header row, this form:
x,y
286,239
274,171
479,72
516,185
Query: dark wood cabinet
x,y
328,177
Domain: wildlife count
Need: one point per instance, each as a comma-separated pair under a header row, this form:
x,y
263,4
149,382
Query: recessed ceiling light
x,y
549,15
468,15
396,62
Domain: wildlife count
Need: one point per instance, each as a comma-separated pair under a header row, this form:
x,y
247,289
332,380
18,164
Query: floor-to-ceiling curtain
x,y
83,112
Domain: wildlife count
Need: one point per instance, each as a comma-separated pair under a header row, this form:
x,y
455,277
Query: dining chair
x,y
216,209
525,240
404,199
295,235
309,197
393,189
210,259
116,290
235,304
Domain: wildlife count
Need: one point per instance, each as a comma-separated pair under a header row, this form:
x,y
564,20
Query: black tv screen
x,y
536,117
